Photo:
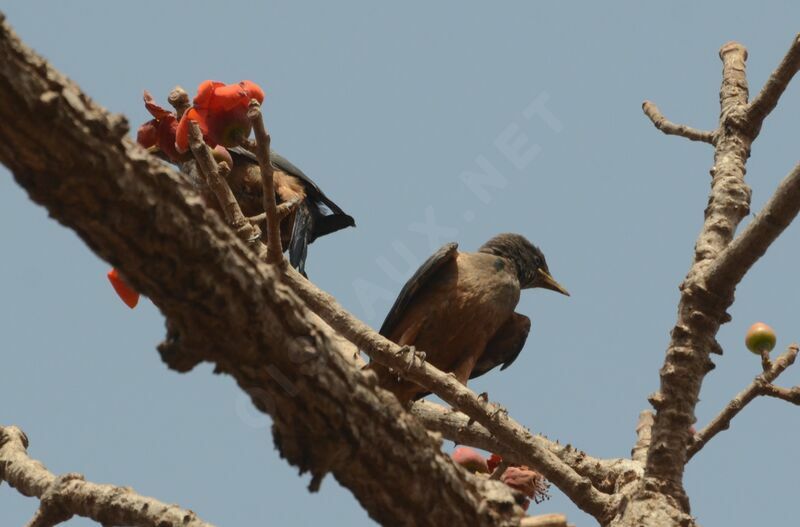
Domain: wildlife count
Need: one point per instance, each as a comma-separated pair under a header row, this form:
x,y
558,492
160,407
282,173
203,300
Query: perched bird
x,y
314,214
458,308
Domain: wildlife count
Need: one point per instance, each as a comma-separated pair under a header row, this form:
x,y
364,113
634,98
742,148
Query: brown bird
x,y
459,309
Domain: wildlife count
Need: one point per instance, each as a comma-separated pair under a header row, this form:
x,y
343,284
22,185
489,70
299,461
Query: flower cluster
x,y
520,478
219,109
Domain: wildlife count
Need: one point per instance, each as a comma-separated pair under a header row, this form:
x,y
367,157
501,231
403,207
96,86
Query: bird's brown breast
x,y
459,311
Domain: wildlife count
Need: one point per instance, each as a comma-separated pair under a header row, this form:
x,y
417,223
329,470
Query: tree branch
x,y
459,428
62,497
733,263
214,175
578,488
274,249
790,395
644,431
761,385
670,128
767,99
701,311
224,305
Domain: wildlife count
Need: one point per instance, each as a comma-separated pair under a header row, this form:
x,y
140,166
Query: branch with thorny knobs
x,y
708,289
459,428
62,497
761,385
670,128
214,175
495,418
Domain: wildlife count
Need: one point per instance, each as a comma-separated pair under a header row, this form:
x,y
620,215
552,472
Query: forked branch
x,y
761,385
64,496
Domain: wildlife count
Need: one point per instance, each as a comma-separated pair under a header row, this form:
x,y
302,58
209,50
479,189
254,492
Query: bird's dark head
x,y
529,261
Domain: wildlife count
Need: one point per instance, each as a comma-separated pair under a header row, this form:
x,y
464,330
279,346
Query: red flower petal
x,y
125,291
147,135
205,92
155,110
253,90
182,131
167,132
470,459
493,462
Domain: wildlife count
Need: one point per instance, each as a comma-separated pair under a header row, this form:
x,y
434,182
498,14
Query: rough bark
x,y
224,305
67,495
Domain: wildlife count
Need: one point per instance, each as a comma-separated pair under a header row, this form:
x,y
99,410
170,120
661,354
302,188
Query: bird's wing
x,y
328,216
504,346
426,271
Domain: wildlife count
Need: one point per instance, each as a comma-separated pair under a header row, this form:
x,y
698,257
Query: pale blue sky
x,y
387,107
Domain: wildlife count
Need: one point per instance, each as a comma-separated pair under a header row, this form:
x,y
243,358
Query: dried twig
x,y
670,128
215,178
544,520
274,249
644,430
790,395
68,495
761,385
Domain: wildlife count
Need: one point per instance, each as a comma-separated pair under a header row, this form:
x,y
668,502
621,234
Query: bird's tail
x,y
301,232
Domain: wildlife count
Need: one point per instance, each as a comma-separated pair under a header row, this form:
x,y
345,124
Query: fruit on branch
x,y
760,337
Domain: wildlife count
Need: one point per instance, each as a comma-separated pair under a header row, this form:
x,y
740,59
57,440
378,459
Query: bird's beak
x,y
548,282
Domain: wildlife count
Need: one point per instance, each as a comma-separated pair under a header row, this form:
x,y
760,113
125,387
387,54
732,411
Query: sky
x,y
428,123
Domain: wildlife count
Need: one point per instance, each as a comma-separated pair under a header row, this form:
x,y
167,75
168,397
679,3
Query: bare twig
x,y
760,386
644,430
274,249
670,128
544,520
763,104
67,495
215,178
790,395
494,418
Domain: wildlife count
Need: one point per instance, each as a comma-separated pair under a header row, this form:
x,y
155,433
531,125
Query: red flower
x,y
522,479
160,131
469,459
221,112
125,291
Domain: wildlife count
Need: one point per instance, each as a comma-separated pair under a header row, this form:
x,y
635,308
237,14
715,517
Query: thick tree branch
x,y
700,311
763,104
670,128
578,488
733,263
761,385
225,305
62,497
